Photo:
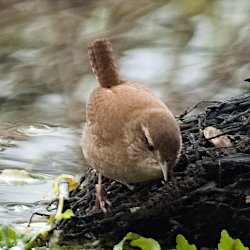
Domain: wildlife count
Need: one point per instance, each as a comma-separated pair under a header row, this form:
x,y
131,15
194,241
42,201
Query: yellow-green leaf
x,y
66,215
182,243
72,181
129,236
138,241
145,244
228,243
51,219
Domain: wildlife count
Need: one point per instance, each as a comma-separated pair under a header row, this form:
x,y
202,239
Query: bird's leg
x,y
101,200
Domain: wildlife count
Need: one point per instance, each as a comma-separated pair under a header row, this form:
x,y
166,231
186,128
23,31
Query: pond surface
x,y
184,51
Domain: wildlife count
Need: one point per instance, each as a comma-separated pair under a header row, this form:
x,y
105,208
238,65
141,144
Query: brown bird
x,y
130,135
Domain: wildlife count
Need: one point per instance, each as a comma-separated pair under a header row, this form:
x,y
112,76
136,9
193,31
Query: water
x,y
42,150
185,51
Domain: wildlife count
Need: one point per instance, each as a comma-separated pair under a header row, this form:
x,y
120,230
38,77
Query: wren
x,y
130,135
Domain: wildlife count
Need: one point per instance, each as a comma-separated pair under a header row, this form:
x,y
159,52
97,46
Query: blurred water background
x,y
185,51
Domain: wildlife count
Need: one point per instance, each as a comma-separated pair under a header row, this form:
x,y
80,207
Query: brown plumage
x,y
130,135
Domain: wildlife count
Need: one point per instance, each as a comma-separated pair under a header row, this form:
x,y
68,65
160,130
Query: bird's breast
x,y
110,143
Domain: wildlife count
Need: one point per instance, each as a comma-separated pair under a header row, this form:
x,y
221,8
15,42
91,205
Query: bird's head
x,y
154,141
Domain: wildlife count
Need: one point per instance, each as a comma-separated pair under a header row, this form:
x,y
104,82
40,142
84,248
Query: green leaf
x,y
182,243
38,239
228,243
129,236
138,241
146,244
66,215
8,236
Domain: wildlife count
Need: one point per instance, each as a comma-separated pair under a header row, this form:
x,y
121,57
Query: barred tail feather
x,y
103,63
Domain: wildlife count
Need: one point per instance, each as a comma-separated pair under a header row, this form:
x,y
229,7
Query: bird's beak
x,y
164,168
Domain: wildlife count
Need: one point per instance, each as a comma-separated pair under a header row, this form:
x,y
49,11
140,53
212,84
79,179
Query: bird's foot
x,y
128,186
102,202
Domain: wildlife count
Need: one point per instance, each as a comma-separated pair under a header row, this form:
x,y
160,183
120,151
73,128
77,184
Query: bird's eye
x,y
151,147
149,144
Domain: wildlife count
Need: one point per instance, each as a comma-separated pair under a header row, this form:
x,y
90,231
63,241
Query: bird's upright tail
x,y
103,63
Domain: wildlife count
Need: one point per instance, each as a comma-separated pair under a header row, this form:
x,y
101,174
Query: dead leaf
x,y
247,199
221,141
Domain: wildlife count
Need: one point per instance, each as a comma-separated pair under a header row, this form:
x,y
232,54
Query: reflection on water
x,y
19,202
38,148
185,51
41,147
